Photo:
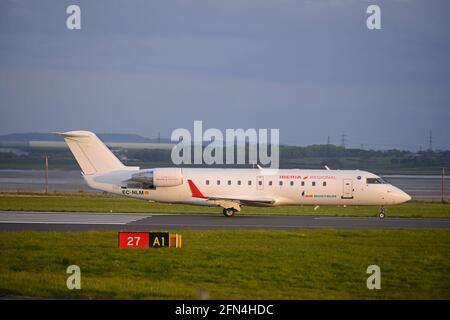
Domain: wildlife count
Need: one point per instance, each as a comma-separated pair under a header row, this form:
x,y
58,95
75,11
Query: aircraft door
x,y
259,182
347,192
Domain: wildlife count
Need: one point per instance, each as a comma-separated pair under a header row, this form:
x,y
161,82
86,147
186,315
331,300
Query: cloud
x,y
310,68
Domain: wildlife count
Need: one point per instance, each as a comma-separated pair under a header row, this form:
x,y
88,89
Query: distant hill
x,y
106,137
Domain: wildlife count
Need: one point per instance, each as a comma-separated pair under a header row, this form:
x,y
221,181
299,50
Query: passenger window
x,y
249,182
313,183
218,182
324,183
280,183
207,182
239,182
303,183
229,182
270,183
260,183
292,183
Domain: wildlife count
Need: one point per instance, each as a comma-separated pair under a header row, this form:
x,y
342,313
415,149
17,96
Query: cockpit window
x,y
375,181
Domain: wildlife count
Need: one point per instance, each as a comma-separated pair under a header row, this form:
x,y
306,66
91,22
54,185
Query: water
x,y
421,187
34,180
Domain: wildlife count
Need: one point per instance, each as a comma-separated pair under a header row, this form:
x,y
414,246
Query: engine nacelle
x,y
160,177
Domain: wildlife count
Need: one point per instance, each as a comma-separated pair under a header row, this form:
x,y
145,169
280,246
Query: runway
x,y
78,221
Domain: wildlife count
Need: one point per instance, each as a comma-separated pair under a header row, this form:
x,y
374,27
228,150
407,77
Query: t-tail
x,y
92,155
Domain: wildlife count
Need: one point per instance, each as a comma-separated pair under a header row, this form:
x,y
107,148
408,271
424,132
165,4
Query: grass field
x,y
100,203
307,264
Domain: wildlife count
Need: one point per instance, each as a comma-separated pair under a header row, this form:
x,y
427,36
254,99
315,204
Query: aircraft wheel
x,y
228,212
381,213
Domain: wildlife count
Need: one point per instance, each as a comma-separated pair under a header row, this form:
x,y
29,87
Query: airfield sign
x,y
143,240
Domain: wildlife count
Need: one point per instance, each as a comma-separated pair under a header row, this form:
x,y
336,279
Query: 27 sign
x,y
128,240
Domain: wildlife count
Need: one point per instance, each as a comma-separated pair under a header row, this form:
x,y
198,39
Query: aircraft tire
x,y
381,212
228,212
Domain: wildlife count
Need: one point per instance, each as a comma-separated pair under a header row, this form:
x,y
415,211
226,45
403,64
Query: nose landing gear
x,y
381,212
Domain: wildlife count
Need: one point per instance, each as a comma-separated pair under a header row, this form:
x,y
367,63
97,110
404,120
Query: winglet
x,y
194,190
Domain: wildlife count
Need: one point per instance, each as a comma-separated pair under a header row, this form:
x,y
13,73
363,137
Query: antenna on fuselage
x,y
326,167
257,165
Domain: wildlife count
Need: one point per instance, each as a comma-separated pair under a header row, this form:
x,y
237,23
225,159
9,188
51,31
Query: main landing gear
x,y
381,212
229,212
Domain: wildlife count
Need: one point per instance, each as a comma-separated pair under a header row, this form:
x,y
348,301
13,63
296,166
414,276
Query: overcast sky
x,y
310,68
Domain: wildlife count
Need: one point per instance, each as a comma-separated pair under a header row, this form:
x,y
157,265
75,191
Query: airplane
x,y
229,188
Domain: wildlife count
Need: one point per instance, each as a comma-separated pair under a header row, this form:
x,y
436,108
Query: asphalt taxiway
x,y
79,221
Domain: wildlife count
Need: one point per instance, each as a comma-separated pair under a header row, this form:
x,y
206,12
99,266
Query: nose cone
x,y
405,197
401,196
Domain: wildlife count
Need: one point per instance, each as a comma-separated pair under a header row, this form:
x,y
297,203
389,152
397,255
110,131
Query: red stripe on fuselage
x,y
194,190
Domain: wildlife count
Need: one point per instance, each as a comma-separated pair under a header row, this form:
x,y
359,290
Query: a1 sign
x,y
159,239
133,240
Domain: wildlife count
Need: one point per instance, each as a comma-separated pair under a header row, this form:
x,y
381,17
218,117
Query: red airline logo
x,y
194,190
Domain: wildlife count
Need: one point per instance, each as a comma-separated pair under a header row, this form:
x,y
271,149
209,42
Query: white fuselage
x,y
283,186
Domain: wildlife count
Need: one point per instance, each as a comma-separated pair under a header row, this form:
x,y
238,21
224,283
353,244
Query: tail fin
x,y
91,154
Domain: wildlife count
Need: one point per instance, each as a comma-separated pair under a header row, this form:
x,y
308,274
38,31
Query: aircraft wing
x,y
231,201
247,200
